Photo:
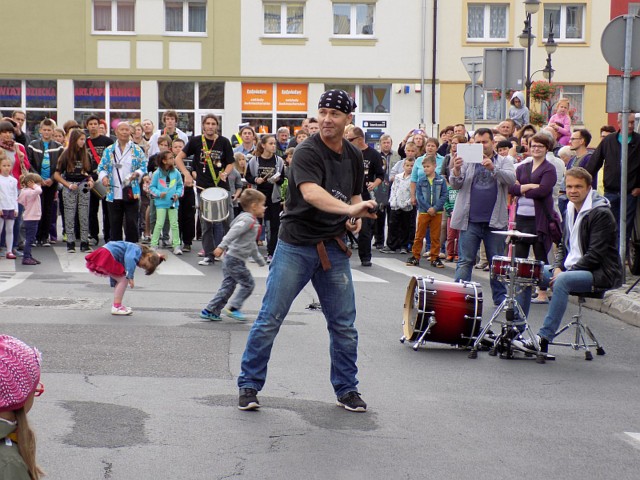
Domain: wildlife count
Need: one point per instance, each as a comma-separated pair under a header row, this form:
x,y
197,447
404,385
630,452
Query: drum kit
x,y
451,313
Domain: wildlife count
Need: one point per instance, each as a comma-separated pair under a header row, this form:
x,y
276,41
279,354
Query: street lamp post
x,y
526,40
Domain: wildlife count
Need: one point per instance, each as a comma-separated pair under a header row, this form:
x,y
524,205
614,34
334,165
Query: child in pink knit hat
x,y
19,384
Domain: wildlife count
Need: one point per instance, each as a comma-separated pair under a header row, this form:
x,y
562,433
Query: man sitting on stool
x,y
587,258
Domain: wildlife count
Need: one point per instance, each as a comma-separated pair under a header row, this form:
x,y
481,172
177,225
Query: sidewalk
x,y
618,304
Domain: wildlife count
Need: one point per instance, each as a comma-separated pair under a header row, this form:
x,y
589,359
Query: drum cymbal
x,y
514,233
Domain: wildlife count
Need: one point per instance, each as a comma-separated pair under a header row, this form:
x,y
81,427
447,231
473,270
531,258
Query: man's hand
x,y
354,225
48,182
163,194
432,212
488,164
362,209
635,192
457,165
105,182
218,252
556,272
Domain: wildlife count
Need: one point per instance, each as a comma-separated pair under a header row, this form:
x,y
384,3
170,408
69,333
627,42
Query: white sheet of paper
x,y
470,152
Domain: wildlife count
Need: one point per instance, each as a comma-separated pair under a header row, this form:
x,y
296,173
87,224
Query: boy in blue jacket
x,y
431,194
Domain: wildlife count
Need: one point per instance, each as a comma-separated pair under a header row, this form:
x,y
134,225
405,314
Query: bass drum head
x,y
413,307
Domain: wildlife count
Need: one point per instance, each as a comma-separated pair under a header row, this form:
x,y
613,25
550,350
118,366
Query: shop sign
x,y
257,97
292,97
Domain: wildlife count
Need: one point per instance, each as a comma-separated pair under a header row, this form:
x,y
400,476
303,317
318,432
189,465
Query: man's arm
x,y
188,179
318,197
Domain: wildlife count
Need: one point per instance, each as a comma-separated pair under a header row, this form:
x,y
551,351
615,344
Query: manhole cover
x,y
52,302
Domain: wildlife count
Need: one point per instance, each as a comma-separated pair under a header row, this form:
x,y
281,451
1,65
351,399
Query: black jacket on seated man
x,y
599,244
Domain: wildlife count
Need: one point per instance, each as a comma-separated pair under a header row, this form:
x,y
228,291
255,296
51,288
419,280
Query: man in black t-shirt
x,y
373,176
325,186
96,144
212,163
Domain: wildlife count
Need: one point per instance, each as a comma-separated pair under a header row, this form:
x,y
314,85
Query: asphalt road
x,y
153,396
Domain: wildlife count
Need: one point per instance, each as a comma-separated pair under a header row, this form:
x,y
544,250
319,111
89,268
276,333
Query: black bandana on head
x,y
338,100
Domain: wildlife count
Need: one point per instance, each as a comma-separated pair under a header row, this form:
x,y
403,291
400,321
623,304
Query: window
x,y
283,18
575,94
353,19
268,106
185,16
38,98
370,98
189,99
487,23
568,22
114,15
114,101
634,8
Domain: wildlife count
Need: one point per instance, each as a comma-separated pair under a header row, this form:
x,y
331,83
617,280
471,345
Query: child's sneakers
x,y
437,263
235,314
207,315
121,310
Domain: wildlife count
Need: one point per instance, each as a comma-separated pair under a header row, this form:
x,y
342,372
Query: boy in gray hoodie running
x,y
239,244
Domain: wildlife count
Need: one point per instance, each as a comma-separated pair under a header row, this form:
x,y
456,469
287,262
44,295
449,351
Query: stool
x,y
580,340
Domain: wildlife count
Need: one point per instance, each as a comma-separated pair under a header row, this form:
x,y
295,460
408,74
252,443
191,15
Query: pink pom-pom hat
x,y
19,372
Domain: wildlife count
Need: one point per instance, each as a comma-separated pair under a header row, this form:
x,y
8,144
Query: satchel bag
x,y
127,191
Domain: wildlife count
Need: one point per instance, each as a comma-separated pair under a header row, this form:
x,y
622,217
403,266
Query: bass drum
x,y
455,307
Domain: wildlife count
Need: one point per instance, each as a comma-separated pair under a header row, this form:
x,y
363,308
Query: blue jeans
x,y
291,269
579,281
468,246
30,228
235,272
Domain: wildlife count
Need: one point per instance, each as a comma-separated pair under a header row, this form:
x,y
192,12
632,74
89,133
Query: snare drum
x,y
528,272
99,189
455,307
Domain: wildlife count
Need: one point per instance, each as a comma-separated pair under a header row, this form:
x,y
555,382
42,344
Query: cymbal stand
x,y
512,326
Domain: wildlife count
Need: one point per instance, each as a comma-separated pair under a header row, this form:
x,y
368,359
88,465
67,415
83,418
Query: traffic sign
x,y
471,100
613,43
473,65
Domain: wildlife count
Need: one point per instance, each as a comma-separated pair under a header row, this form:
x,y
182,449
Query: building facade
x,y
267,61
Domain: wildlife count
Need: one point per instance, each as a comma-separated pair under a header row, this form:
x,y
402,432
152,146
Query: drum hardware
x,y
513,326
442,312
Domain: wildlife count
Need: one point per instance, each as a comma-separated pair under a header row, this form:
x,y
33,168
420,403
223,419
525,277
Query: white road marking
x,y
175,265
357,275
634,436
9,281
398,266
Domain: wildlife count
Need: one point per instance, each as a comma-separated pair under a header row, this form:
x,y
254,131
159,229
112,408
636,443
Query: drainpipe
x,y
434,64
423,51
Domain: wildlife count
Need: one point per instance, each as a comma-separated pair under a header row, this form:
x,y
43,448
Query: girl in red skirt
x,y
118,260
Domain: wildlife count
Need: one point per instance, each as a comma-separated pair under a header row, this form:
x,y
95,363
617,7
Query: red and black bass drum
x,y
448,312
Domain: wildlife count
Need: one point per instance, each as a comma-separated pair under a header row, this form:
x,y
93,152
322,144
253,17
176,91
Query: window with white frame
x,y
568,21
353,19
185,16
487,22
114,16
283,18
37,98
575,94
112,100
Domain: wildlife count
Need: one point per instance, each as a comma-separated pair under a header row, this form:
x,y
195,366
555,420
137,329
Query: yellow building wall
x,y
43,37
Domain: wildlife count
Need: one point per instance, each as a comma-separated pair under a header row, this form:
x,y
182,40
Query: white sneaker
x,y
121,310
177,251
205,262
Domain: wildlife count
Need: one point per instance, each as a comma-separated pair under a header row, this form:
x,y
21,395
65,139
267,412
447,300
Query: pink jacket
x,y
29,198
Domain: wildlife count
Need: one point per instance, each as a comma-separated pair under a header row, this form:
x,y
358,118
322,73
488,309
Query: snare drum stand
x,y
510,328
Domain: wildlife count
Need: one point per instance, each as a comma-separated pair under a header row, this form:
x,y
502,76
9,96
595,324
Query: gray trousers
x,y
76,201
235,272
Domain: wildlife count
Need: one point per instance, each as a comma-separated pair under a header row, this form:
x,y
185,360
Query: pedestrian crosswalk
x,y
187,265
